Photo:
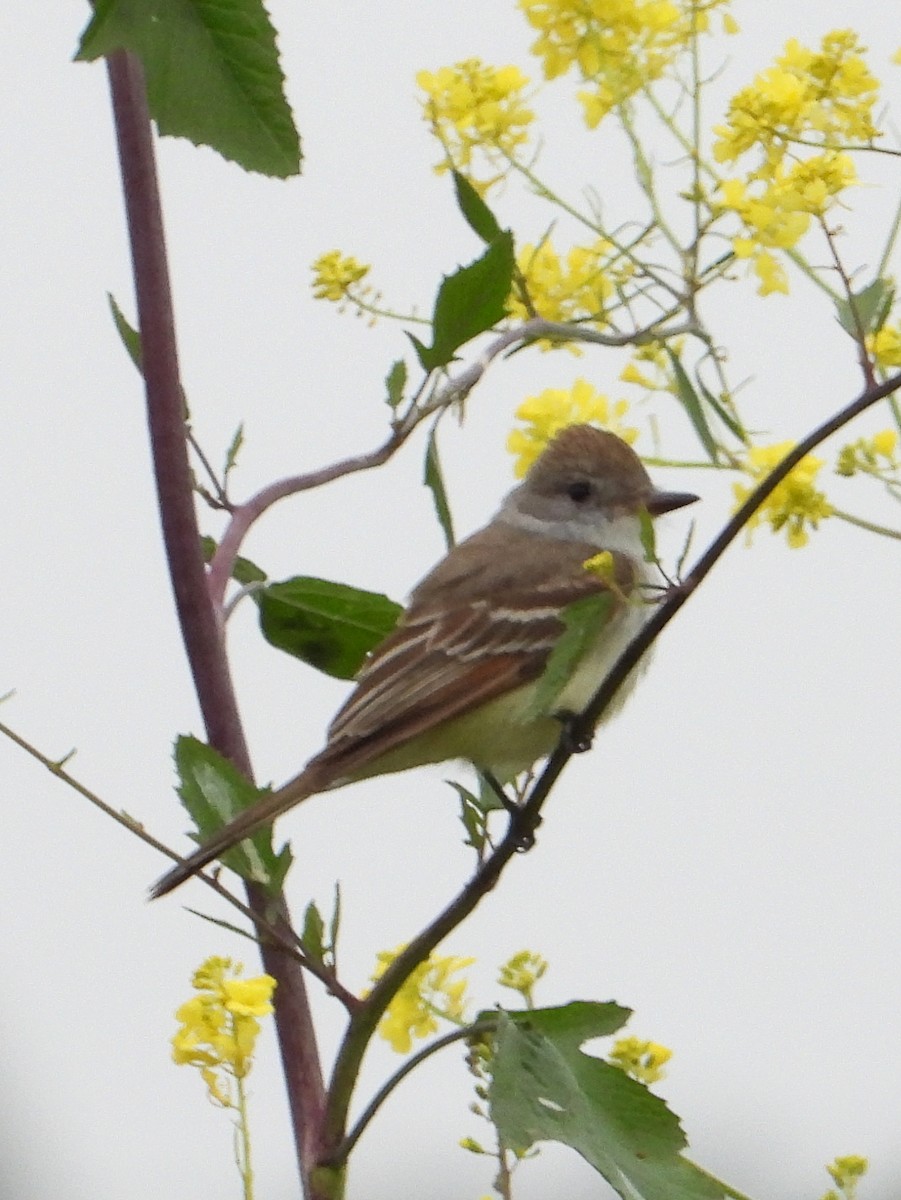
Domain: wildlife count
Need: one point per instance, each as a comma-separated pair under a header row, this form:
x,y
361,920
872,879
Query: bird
x,y
458,677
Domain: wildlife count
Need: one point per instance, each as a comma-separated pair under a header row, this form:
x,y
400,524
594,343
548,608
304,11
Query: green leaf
x,y
243,571
544,1088
692,405
234,448
584,619
131,339
474,812
872,305
729,419
433,478
213,74
331,626
313,935
214,792
479,217
395,382
647,535
468,303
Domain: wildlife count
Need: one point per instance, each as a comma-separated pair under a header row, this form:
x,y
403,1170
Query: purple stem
x,y
200,622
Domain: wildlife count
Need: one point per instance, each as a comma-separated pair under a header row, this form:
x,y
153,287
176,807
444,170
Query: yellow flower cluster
x,y
795,504
427,994
572,289
219,1027
885,347
334,274
553,409
644,1061
521,972
618,46
650,367
847,1171
872,455
811,99
473,107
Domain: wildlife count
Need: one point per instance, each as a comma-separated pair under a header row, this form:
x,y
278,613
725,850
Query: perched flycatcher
x,y
458,677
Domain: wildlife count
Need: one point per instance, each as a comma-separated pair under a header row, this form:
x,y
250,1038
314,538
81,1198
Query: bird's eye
x,y
579,491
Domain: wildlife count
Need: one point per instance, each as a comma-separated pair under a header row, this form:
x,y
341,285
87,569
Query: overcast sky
x,y
724,862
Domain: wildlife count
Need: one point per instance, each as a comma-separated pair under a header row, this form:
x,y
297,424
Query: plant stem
x,y
200,623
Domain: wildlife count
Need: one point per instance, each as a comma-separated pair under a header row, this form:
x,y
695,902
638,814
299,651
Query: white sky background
x,y
724,862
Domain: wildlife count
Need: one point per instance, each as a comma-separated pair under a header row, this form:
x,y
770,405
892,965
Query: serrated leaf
x,y
872,305
690,401
468,303
395,382
474,812
544,1088
329,625
584,619
212,71
130,337
243,570
479,217
214,792
433,478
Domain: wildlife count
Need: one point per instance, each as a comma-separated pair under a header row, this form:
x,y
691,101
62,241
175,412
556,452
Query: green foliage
x,y
691,402
479,217
213,74
469,302
243,570
319,942
433,478
544,1088
331,626
395,382
214,792
131,339
868,309
584,619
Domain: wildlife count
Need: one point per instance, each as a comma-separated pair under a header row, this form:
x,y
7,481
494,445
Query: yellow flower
x,y
885,347
553,409
795,504
426,994
521,972
825,96
618,46
644,1061
334,274
865,453
576,288
475,109
219,1026
847,1171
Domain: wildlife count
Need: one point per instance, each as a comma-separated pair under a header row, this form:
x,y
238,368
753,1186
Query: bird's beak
x,y
664,502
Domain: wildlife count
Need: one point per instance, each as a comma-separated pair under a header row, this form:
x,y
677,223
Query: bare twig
x,y
451,392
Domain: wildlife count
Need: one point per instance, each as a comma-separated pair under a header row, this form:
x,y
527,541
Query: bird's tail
x,y
304,785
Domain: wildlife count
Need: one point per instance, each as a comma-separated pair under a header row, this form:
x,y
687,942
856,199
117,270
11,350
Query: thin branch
x,y
342,1152
363,1023
451,392
290,945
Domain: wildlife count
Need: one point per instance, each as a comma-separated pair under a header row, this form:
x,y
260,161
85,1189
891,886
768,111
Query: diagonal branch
x,y
364,1022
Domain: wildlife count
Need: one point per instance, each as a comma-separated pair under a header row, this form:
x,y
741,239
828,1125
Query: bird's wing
x,y
456,649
